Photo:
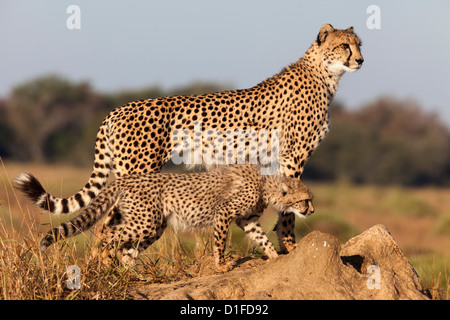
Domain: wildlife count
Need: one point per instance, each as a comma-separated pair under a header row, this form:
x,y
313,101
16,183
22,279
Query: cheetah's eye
x,y
345,45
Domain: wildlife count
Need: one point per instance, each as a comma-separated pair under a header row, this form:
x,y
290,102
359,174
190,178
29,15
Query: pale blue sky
x,y
131,44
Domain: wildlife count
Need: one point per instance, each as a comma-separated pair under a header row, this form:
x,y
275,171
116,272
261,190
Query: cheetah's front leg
x,y
285,231
286,220
222,224
254,231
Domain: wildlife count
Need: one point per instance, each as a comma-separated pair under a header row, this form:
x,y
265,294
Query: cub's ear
x,y
350,29
323,33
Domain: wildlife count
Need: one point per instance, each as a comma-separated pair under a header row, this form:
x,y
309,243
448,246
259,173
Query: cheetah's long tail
x,y
33,189
102,204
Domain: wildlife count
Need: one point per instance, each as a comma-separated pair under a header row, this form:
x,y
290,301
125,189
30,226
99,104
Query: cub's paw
x,y
224,267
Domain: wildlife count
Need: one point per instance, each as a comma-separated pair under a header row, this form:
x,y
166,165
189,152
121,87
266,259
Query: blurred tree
x,y
388,141
53,119
5,131
200,87
113,100
125,96
413,146
41,108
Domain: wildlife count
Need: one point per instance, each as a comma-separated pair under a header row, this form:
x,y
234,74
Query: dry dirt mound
x,y
368,266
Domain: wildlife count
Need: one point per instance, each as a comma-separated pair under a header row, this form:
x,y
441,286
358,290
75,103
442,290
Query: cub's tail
x,y
101,205
33,189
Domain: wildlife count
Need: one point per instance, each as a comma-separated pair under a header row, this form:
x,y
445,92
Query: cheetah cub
x,y
139,207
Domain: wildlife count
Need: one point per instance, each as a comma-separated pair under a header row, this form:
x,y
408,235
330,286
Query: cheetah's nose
x,y
359,61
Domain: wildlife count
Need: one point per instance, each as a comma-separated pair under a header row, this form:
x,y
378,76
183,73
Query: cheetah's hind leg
x,y
222,224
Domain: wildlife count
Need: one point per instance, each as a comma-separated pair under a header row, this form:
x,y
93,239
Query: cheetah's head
x,y
293,196
340,49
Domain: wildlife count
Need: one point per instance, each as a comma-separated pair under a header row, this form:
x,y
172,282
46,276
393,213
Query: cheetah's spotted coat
x,y
136,138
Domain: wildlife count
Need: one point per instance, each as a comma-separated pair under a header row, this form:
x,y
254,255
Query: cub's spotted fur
x,y
139,207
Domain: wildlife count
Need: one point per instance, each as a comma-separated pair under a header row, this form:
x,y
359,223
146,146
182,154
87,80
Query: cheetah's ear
x,y
350,29
323,33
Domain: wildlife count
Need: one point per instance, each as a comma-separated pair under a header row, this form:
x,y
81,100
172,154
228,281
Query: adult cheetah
x,y
139,207
137,138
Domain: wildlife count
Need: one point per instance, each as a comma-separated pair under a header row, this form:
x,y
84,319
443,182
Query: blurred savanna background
x,y
386,159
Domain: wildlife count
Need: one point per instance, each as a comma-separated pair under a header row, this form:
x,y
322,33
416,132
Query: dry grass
x,y
417,218
26,273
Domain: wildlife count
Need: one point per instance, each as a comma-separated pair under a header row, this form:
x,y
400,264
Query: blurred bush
x,y
389,141
45,115
51,119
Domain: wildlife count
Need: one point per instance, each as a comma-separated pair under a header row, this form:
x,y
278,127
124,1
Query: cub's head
x,y
291,195
339,49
